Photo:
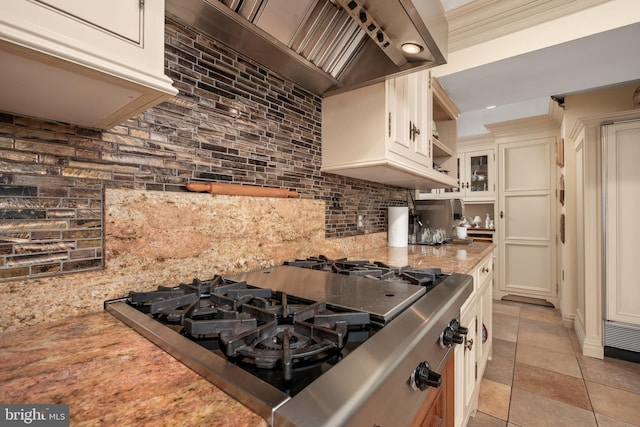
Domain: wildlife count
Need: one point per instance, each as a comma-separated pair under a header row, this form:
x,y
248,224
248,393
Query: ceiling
x,y
574,51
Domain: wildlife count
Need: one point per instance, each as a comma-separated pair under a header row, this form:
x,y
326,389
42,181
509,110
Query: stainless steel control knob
x,y
449,337
423,377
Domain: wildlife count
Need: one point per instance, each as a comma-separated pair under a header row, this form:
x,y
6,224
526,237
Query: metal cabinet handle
x,y
469,344
413,131
501,214
485,269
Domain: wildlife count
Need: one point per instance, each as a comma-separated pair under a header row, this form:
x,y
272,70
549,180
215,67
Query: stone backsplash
x,y
232,121
157,238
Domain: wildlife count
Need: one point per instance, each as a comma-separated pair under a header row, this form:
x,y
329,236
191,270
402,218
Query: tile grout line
x,y
513,373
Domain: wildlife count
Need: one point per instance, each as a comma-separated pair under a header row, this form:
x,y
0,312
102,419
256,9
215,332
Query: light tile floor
x,y
537,376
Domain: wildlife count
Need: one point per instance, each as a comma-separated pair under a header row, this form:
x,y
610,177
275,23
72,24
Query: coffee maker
x,y
430,216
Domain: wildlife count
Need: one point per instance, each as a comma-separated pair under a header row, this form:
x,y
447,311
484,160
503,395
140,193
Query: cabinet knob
x,y
485,269
469,344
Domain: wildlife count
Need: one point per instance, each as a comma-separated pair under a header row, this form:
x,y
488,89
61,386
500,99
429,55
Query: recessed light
x,y
411,48
490,107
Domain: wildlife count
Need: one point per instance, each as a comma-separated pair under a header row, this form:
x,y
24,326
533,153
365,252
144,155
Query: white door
x,y
622,187
525,219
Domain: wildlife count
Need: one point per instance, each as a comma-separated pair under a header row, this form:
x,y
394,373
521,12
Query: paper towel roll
x,y
398,231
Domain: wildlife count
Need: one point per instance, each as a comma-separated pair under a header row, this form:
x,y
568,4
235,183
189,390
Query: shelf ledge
x,y
440,149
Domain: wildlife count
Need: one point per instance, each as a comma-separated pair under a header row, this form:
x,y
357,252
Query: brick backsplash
x,y
233,121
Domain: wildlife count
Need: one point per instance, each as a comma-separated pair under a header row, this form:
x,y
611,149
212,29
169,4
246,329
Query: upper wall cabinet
x,y
93,64
382,133
476,174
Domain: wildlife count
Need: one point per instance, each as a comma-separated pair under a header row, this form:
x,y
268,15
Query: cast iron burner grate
x,y
253,325
427,277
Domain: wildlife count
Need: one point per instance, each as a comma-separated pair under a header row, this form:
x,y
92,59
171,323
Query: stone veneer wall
x,y
111,205
233,121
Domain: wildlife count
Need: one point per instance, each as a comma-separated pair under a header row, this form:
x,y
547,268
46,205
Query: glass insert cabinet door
x,y
478,173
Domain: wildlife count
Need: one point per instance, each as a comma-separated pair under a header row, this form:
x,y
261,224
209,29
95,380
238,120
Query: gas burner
x,y
253,325
427,277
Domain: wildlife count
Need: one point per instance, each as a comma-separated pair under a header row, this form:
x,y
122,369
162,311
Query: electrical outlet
x,y
360,222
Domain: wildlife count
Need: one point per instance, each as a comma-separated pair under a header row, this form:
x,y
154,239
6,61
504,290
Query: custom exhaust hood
x,y
325,45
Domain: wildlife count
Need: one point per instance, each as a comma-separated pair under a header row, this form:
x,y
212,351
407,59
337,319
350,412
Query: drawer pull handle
x,y
485,269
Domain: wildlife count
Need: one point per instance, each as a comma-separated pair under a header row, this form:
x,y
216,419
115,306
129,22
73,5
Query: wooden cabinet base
x,y
437,409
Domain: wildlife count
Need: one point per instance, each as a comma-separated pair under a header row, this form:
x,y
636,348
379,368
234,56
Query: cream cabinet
x,y
407,104
475,177
600,245
93,64
485,314
381,133
476,174
472,357
465,367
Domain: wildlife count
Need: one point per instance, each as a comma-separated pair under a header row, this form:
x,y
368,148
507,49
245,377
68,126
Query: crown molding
x,y
543,124
484,20
475,140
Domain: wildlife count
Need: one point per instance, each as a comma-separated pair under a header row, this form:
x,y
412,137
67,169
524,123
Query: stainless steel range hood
x,y
324,45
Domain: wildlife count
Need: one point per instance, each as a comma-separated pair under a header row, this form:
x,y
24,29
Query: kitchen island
x,y
109,374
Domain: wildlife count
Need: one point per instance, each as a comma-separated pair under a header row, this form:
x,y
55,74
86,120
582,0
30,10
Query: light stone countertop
x,y
110,375
451,258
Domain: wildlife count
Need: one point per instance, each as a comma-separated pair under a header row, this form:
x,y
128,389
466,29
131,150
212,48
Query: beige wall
x,y
578,106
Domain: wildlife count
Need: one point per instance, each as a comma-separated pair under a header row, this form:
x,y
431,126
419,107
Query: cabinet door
x,y
465,369
486,328
123,18
622,180
408,122
399,119
485,312
476,173
437,409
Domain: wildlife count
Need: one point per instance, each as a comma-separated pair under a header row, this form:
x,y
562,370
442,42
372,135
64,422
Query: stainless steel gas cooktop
x,y
335,343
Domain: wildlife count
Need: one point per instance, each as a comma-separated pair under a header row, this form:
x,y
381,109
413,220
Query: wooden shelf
x,y
440,149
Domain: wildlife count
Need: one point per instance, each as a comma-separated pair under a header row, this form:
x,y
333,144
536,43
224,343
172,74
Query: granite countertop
x,y
454,258
108,374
